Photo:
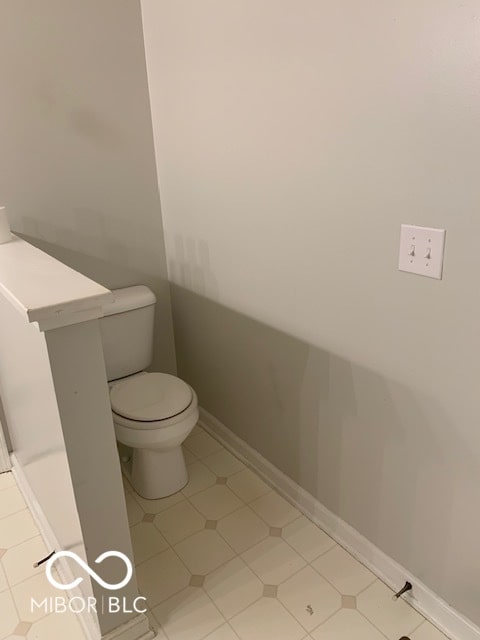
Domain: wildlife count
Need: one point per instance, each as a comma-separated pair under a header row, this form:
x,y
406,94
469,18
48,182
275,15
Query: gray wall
x,y
77,166
293,139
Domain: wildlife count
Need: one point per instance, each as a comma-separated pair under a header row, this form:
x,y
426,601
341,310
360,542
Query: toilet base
x,y
156,473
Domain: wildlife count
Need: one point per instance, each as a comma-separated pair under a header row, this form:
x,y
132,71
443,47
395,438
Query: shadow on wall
x,y
372,450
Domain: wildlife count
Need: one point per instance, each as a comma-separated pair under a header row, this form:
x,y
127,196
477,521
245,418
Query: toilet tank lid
x,y
128,299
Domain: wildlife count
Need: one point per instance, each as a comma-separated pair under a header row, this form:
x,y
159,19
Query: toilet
x,y
153,413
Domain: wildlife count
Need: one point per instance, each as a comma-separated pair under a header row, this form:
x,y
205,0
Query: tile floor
x,y
20,545
225,559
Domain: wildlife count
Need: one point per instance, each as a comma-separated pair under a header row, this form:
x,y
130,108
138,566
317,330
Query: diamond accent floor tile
x,y
270,591
197,581
349,602
148,517
22,628
266,619
233,587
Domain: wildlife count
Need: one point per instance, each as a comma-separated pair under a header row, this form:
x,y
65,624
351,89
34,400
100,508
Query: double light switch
x,y
421,250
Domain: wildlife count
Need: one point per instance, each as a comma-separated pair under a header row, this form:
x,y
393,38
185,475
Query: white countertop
x,y
45,290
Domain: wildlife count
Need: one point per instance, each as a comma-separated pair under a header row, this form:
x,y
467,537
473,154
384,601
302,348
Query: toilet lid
x,y
150,397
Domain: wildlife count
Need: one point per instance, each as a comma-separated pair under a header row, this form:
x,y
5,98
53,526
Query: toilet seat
x,y
150,399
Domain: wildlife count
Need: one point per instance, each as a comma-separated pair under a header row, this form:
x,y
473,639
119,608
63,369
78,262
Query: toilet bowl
x,y
153,413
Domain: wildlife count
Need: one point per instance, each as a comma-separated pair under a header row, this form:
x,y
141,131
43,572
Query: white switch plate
x,y
421,250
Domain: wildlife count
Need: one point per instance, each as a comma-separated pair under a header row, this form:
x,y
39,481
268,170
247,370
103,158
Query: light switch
x,y
421,250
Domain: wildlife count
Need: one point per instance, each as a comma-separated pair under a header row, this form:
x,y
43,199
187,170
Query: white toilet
x,y
153,413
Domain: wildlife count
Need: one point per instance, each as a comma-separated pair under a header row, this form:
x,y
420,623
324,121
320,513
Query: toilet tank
x,y
127,331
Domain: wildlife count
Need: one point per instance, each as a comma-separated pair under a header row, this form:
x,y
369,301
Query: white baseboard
x,y
423,599
137,628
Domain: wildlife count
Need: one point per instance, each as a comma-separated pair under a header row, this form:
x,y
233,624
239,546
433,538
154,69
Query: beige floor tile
x,y
3,579
56,625
216,502
267,619
38,588
233,587
347,624
223,463
134,511
309,598
306,538
273,560
11,502
7,480
157,506
9,617
427,631
225,632
199,478
247,485
188,615
242,529
204,552
276,511
179,522
343,571
16,529
161,577
201,444
18,561
147,541
393,618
